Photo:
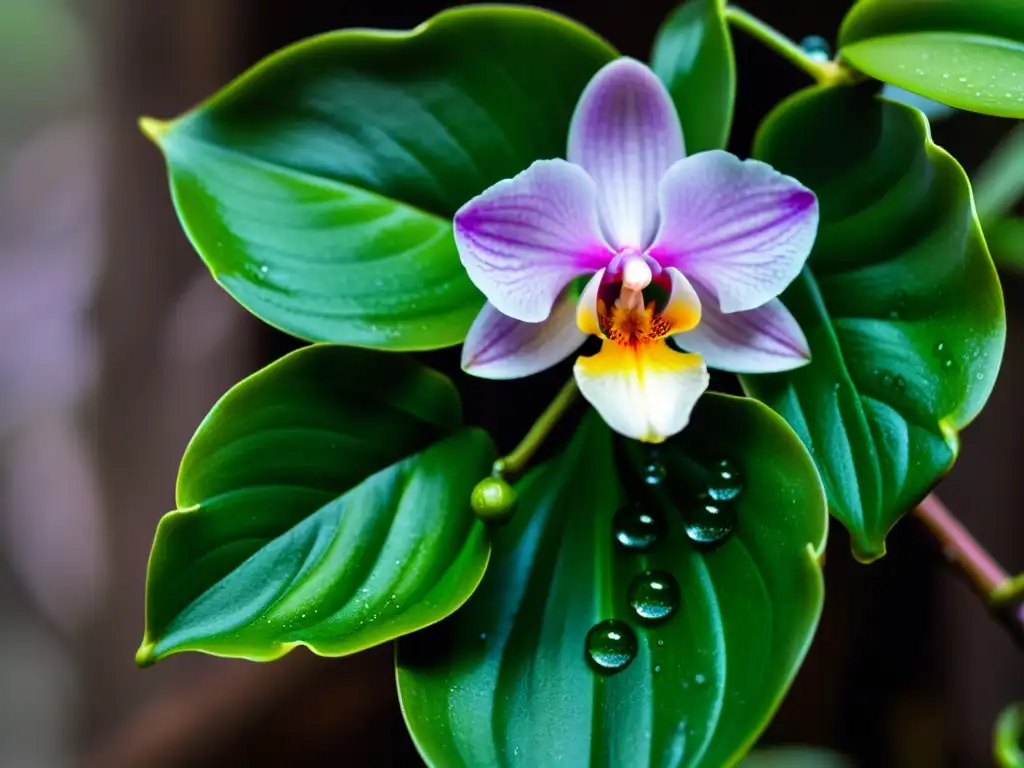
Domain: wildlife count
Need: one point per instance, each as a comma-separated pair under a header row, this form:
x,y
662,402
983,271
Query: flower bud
x,y
493,501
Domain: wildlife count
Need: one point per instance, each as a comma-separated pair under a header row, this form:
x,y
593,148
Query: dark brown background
x,y
907,669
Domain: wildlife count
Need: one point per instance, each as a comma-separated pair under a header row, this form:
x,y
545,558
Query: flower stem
x,y
516,462
823,72
1002,594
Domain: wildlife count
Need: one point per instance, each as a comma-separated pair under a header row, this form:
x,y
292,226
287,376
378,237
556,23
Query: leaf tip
x,y
866,555
145,656
153,129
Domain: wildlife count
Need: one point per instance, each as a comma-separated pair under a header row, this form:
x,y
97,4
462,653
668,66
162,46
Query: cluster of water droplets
x,y
654,595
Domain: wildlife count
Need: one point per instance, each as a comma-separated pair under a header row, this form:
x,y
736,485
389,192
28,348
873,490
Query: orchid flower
x,y
694,248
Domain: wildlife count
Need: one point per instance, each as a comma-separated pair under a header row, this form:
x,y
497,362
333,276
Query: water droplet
x,y
980,376
654,595
725,481
483,635
611,645
899,383
962,79
710,521
939,347
657,667
887,379
918,71
264,269
945,75
661,643
816,47
894,315
654,472
699,679
636,528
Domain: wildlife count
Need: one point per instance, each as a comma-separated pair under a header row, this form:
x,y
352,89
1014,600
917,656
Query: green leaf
x,y
319,187
1007,737
900,303
324,501
693,57
506,682
965,53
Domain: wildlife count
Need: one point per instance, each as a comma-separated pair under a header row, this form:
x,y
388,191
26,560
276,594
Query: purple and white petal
x,y
626,134
499,347
524,239
738,226
763,340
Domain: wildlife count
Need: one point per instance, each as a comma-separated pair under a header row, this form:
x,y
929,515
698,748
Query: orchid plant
x,y
638,580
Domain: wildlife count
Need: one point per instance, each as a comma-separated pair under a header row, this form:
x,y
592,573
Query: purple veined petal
x,y
500,347
767,339
646,392
524,239
738,226
626,134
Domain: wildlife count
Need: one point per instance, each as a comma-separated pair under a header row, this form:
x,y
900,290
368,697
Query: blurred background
x,y
114,343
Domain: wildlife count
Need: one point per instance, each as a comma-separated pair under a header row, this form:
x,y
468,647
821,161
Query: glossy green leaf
x,y
900,303
319,187
1009,732
506,681
323,502
965,53
693,57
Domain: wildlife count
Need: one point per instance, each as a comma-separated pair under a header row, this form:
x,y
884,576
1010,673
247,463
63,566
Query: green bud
x,y
494,500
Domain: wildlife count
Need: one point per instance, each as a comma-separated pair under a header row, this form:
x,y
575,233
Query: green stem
x,y
824,72
517,461
1009,592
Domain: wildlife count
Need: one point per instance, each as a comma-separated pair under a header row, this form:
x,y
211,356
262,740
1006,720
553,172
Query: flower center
x,y
629,320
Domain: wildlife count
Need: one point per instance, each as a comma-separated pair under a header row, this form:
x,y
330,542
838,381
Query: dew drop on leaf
x,y
636,528
611,646
725,483
816,47
654,595
709,521
654,472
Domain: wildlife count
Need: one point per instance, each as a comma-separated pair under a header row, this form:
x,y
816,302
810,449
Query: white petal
x,y
500,347
626,134
646,392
